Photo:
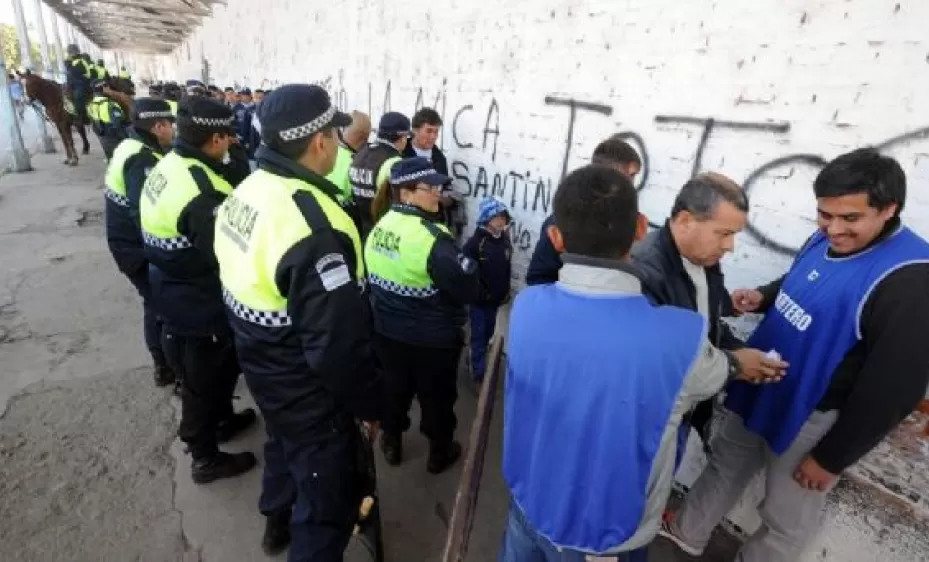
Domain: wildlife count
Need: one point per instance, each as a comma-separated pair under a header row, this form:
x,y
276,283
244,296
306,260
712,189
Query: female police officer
x,y
420,283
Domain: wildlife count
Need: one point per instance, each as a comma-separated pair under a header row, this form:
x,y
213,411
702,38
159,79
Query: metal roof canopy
x,y
141,26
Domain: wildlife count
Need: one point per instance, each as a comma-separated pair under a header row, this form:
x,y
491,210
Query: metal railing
x,y
462,517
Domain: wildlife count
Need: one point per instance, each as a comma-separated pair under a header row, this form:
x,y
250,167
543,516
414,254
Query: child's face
x,y
497,224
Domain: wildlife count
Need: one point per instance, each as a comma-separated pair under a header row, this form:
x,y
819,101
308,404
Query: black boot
x,y
442,456
231,428
163,376
277,533
392,445
221,465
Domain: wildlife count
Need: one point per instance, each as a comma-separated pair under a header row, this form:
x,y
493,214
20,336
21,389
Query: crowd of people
x,y
268,235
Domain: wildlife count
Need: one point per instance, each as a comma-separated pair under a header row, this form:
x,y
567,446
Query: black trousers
x,y
151,322
319,481
428,373
208,369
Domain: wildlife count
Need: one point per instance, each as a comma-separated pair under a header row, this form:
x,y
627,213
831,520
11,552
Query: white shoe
x,y
666,532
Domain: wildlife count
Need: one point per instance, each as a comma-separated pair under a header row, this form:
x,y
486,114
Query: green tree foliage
x,y
13,55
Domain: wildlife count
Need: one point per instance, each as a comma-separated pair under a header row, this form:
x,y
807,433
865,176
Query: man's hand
x,y
371,429
812,476
746,300
758,367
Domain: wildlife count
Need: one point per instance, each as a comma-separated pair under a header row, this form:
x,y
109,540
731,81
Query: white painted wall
x,y
800,80
836,75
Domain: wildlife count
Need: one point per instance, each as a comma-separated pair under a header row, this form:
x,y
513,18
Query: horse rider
x,y
79,75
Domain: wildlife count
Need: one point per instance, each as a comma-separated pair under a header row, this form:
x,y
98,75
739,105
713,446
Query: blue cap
x,y
413,171
297,111
489,208
245,92
394,124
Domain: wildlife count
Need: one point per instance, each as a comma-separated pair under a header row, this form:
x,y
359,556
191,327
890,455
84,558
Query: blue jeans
x,y
483,324
522,544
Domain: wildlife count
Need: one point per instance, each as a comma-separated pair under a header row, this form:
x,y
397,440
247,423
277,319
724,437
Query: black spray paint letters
x,y
519,191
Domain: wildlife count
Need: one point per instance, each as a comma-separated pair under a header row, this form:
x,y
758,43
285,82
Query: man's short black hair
x,y
864,171
426,116
597,210
615,151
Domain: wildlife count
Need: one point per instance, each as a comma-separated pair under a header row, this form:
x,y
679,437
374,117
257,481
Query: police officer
x,y
178,206
420,283
351,140
172,93
79,75
100,68
292,271
107,119
149,138
371,166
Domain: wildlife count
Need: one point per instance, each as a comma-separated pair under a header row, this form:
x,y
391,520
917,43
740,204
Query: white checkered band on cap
x,y
307,129
213,121
155,115
413,177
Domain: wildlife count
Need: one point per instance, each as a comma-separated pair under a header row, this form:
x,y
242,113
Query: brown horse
x,y
53,98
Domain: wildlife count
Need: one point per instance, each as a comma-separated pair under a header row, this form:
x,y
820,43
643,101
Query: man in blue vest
x,y
598,381
849,317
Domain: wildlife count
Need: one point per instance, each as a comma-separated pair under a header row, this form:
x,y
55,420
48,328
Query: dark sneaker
x,y
392,445
163,376
277,533
443,456
232,427
222,465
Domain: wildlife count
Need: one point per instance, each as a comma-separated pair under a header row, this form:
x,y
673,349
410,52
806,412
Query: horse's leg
x,y
64,129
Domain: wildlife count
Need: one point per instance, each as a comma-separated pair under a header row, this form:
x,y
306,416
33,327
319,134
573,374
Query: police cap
x,y
297,111
411,172
394,124
151,108
245,92
204,114
98,85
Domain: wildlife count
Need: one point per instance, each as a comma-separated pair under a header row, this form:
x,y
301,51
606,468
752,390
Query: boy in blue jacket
x,y
491,248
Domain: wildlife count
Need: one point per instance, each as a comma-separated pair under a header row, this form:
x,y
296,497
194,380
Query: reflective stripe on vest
x,y
173,105
397,252
168,190
255,227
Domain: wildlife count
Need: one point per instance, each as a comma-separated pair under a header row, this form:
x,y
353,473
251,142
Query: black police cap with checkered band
x,y
151,108
205,114
296,111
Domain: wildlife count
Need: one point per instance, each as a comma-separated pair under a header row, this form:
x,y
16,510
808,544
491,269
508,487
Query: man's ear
x,y
557,240
641,227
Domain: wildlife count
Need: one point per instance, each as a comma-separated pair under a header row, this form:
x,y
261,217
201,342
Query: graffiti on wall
x,y
477,173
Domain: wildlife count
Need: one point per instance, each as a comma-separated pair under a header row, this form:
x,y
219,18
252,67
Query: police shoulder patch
x,y
333,271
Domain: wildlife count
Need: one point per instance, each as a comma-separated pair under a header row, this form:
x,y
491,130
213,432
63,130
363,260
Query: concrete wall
x,y
527,89
764,91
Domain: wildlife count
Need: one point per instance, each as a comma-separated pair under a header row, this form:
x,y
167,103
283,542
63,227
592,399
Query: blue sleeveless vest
x,y
590,386
813,324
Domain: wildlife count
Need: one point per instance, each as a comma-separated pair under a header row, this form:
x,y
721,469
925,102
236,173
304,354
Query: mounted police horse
x,y
59,109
